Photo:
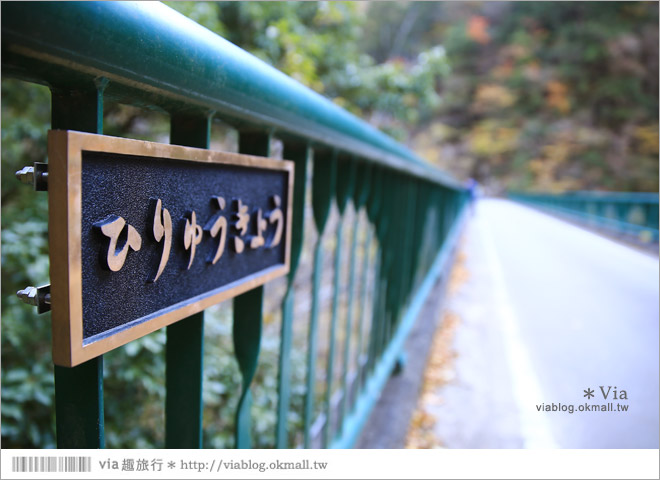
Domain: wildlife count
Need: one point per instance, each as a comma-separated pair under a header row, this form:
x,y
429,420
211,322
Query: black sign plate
x,y
155,233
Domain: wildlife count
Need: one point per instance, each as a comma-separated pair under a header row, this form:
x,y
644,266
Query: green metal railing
x,y
90,54
634,214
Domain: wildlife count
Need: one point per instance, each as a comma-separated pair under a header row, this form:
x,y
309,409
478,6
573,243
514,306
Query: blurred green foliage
x,y
525,95
27,372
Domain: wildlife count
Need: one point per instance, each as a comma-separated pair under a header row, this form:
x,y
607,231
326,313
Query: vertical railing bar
x,y
323,185
391,287
408,231
383,226
420,209
405,250
408,239
422,215
349,317
414,242
444,200
312,342
394,264
439,233
446,208
364,291
248,316
374,207
333,332
433,233
79,405
184,361
381,310
361,195
344,190
404,242
184,351
384,316
284,369
301,157
79,419
390,279
246,334
376,313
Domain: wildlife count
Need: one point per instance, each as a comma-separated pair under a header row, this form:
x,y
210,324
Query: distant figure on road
x,y
472,186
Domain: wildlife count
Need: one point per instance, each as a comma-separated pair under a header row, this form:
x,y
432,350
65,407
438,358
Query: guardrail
x,y
148,55
628,213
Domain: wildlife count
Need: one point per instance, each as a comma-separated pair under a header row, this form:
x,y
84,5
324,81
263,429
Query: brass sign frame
x,y
65,214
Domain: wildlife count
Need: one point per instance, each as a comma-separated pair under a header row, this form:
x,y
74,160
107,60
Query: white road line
x,y
526,388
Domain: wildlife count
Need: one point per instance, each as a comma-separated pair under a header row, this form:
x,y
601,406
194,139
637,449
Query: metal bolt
x,y
29,295
26,175
36,175
37,296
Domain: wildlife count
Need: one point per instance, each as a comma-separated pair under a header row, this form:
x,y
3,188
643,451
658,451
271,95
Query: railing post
x,y
388,226
248,317
184,364
417,233
374,212
323,186
184,352
246,334
79,421
358,193
301,157
363,188
408,241
345,183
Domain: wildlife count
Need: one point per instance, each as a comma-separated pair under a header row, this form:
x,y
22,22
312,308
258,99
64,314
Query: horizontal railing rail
x,y
93,53
632,213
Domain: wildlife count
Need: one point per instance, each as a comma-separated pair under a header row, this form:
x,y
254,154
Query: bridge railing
x,y
97,53
629,213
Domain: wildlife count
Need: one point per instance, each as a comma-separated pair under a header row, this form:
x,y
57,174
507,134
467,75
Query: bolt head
x,y
26,175
28,295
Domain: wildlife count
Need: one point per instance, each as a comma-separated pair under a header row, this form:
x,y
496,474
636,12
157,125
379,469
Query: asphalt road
x,y
551,311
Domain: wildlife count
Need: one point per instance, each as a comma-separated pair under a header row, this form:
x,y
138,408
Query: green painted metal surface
x,y
332,335
184,352
348,326
312,346
79,405
247,338
79,420
362,310
362,190
345,184
301,156
323,185
248,316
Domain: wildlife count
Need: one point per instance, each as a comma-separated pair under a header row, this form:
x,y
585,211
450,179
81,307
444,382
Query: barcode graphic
x,y
51,464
